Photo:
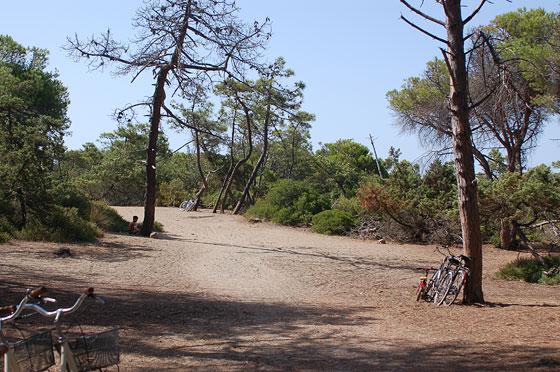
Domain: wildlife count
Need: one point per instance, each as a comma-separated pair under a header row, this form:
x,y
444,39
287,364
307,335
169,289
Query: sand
x,y
218,293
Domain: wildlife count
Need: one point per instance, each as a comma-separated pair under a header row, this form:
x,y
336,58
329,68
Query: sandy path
x,y
217,293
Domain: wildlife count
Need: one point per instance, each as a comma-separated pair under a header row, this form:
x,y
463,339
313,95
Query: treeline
x,y
251,152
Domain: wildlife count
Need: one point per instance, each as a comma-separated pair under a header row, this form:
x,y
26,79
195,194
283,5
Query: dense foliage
x,y
530,270
332,222
289,203
408,205
251,151
34,203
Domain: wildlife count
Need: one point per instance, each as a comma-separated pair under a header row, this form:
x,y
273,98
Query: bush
x,y
530,270
6,230
107,218
171,194
289,203
332,222
62,225
350,205
69,196
158,226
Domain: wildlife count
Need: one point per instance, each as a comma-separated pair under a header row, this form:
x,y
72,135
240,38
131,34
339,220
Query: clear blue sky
x,y
349,54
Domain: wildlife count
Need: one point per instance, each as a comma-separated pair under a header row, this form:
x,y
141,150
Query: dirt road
x,y
216,293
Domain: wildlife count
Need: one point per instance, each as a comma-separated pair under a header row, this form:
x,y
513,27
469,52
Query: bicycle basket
x,y
97,350
34,354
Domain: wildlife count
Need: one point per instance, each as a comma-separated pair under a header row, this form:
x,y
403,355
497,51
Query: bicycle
x,y
188,205
453,281
85,353
422,289
88,352
426,288
34,353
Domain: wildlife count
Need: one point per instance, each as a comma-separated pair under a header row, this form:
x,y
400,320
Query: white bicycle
x,y
85,353
10,352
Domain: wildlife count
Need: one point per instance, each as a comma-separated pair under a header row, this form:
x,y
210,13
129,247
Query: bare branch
x,y
446,59
424,31
422,14
469,18
184,124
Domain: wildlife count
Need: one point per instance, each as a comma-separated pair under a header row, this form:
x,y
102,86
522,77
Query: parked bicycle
x,y
31,354
427,288
453,281
424,286
188,205
87,352
84,353
446,282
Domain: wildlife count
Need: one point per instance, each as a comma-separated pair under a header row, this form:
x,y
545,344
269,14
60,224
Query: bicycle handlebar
x,y
56,314
425,268
15,312
451,255
37,292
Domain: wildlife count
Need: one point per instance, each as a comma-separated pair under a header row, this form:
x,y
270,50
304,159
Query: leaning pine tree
x,y
454,56
185,44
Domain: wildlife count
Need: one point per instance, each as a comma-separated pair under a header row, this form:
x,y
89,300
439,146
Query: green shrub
x,y
332,222
61,225
158,226
107,218
171,194
6,230
350,205
289,202
69,196
530,270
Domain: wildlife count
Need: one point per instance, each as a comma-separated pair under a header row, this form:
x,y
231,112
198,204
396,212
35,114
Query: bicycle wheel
x,y
418,292
421,291
432,285
456,286
440,292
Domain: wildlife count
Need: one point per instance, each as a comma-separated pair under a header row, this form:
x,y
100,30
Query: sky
x,y
348,53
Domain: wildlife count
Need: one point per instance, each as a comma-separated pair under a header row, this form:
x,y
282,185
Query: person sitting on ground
x,y
132,228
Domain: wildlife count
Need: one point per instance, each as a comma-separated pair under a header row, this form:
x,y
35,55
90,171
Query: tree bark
x,y
231,165
241,161
533,251
260,161
506,234
150,197
158,101
463,152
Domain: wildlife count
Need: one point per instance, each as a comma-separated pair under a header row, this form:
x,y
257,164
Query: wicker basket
x,y
34,354
97,350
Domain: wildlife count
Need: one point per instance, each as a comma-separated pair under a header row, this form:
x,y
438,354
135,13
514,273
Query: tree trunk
x,y
242,161
506,234
158,100
230,170
223,189
533,251
150,197
253,175
463,153
23,208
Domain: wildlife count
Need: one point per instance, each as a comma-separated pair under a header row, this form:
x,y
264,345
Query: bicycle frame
x,y
10,363
66,356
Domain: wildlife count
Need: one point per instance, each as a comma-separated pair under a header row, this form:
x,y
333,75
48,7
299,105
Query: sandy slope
x,y
218,293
